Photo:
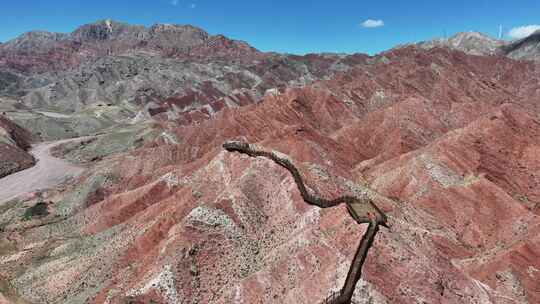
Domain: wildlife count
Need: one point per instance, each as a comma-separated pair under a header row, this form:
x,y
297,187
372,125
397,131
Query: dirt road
x,y
48,172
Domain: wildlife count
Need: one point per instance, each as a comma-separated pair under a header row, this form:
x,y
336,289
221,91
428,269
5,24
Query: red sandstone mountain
x,y
450,141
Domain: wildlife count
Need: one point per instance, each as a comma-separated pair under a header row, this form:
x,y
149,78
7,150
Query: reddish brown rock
x,y
451,141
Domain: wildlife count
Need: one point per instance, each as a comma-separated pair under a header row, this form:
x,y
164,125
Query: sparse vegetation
x,y
361,210
40,209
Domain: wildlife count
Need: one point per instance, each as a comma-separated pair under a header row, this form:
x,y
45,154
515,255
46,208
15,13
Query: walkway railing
x,y
333,297
361,209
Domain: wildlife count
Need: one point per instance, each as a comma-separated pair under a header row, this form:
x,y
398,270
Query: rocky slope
x,y
446,143
527,48
14,144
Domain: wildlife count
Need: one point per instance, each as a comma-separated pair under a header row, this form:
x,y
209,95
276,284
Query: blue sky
x,y
294,26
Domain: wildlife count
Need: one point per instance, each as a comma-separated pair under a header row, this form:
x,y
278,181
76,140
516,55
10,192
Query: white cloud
x,y
175,2
523,31
370,23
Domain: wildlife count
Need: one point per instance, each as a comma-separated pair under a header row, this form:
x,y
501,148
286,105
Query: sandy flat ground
x,y
48,172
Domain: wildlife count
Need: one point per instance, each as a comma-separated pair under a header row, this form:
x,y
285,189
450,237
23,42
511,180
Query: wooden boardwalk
x,y
362,210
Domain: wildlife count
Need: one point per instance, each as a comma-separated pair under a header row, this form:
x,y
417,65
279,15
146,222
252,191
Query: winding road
x,y
48,172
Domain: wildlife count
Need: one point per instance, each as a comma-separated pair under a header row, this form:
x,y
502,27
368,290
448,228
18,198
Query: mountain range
x,y
114,62
176,68
443,136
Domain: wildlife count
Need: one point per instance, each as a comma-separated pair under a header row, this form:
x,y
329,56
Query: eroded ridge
x,y
361,210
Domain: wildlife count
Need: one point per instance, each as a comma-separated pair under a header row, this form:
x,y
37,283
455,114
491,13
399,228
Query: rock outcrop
x,y
14,144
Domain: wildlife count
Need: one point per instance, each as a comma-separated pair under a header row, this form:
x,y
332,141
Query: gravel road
x,y
48,172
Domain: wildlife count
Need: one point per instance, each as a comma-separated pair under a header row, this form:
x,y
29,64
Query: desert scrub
x,y
9,212
4,207
117,140
77,198
38,210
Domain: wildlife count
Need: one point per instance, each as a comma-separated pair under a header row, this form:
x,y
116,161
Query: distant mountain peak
x,y
178,28
109,31
477,36
104,30
474,43
45,51
473,34
477,43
